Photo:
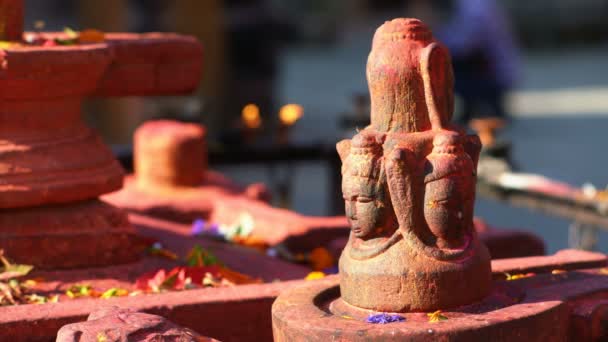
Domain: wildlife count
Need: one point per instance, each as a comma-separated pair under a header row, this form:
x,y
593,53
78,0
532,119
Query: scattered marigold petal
x,y
510,277
159,251
558,271
604,270
38,299
91,36
315,275
81,290
114,292
251,241
436,316
101,337
321,258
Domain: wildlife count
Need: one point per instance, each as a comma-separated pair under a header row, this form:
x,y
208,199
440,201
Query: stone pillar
x,y
11,20
170,154
53,167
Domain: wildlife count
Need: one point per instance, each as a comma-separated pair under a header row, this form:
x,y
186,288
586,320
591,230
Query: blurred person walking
x,y
485,58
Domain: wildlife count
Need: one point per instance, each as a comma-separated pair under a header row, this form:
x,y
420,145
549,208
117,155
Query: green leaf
x,y
69,41
114,292
79,291
70,33
198,256
11,271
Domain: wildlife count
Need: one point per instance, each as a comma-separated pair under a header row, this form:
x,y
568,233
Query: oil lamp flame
x,y
290,114
251,116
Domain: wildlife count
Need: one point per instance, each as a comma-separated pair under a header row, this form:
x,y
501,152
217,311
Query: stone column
x,y
11,20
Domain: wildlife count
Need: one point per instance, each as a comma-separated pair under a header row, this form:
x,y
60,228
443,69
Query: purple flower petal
x,y
198,227
213,229
384,318
331,270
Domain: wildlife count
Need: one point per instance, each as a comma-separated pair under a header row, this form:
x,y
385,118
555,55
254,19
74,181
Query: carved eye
x,y
364,199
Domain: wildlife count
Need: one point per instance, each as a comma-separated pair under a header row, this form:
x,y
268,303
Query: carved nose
x,y
351,211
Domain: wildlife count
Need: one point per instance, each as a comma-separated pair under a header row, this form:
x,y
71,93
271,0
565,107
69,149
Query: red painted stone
x,y
152,64
114,324
409,186
280,226
589,320
241,313
541,308
171,181
85,233
49,157
501,243
47,154
169,154
408,182
508,243
567,259
11,17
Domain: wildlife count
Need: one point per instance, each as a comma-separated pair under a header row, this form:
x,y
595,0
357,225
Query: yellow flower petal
x,y
315,275
436,316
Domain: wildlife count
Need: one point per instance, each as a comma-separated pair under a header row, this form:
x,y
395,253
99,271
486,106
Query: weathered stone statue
x,y
409,185
413,268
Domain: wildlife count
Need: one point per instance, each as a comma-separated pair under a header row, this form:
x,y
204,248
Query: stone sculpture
x,y
409,184
114,324
413,268
53,168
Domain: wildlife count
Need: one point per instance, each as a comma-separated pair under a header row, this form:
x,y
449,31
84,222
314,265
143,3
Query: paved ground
x,y
559,127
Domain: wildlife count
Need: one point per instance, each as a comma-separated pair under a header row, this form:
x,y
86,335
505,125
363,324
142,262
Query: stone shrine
x,y
409,185
413,261
52,167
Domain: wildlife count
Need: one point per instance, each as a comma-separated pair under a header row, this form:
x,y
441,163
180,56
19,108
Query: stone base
x,y
529,309
239,313
182,204
220,200
501,243
114,324
83,234
403,278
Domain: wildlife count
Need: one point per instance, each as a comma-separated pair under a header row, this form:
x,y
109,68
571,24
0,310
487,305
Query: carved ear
x,y
343,148
438,78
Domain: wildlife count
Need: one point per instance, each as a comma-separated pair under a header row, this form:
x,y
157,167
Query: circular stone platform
x,y
315,312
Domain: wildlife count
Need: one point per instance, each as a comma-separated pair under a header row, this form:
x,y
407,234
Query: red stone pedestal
x,y
115,325
11,15
53,167
171,181
554,306
80,234
240,313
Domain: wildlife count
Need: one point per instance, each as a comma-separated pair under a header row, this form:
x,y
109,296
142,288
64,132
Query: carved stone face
x,y
444,209
365,207
448,199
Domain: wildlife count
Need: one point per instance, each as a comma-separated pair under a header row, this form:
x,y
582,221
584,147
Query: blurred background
x,y
540,68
